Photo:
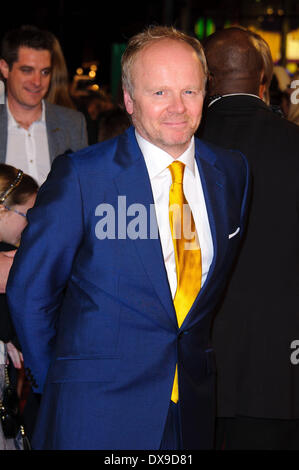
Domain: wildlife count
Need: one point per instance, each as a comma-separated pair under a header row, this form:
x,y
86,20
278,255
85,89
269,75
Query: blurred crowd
x,y
102,113
104,117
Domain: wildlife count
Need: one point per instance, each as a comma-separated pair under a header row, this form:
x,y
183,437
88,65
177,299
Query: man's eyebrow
x,y
26,66
30,67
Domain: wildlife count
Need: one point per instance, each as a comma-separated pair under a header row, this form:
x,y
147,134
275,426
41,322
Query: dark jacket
x,y
259,318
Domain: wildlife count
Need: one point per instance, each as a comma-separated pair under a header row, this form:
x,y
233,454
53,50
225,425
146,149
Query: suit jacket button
x,y
182,333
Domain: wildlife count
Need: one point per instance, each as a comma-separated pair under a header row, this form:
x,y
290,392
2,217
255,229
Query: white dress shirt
x,y
28,149
157,161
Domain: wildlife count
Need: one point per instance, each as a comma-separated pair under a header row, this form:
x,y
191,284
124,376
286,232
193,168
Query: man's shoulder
x,y
100,155
217,154
283,123
233,164
253,108
111,156
62,112
3,111
249,122
95,151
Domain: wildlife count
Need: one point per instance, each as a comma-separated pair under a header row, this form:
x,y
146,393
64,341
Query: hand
x,y
6,260
15,355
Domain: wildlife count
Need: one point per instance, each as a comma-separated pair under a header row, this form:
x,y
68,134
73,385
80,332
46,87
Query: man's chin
x,y
32,100
31,104
179,140
175,148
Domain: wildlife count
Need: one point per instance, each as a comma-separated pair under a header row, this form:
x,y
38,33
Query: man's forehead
x,y
163,53
28,54
166,46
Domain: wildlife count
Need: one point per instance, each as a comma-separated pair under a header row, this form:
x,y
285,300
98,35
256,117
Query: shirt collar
x,y
43,115
157,160
13,123
231,94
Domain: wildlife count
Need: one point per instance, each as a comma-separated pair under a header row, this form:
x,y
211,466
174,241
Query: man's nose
x,y
177,104
36,79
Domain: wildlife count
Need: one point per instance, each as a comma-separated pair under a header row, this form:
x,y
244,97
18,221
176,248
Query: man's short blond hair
x,y
148,36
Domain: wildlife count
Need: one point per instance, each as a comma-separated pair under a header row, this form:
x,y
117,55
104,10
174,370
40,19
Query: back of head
x,y
25,36
235,64
15,186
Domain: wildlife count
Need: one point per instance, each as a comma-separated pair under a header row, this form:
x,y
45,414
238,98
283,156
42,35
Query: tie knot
x,y
177,169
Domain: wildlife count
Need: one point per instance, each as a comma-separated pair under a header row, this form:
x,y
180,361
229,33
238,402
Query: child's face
x,y
12,224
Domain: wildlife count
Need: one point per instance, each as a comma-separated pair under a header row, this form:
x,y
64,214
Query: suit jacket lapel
x,y
134,183
3,132
213,184
53,131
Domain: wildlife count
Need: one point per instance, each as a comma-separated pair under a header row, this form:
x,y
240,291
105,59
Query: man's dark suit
x,y
104,353
259,318
66,129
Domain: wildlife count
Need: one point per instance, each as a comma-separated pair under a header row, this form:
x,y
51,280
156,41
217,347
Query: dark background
x,y
87,29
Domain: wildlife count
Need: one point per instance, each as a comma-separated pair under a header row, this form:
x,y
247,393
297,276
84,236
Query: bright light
x,y
95,87
270,11
79,71
273,39
92,74
94,67
292,67
292,45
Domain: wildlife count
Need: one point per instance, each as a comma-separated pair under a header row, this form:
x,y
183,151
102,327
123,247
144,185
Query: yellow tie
x,y
187,252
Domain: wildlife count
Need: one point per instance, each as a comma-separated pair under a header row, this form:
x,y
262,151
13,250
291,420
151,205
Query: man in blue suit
x,y
95,284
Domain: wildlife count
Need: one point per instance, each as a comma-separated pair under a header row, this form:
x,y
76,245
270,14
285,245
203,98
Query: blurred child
x,y
17,195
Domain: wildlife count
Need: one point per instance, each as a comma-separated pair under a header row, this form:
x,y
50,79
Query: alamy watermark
x,y
295,94
138,221
294,357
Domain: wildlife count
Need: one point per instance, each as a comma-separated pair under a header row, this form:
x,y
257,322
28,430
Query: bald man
x,y
256,331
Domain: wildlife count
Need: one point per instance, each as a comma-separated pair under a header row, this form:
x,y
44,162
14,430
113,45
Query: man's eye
x,y
188,92
46,72
159,93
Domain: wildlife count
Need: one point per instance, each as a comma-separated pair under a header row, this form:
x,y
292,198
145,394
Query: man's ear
x,y
262,90
129,104
262,85
4,68
210,83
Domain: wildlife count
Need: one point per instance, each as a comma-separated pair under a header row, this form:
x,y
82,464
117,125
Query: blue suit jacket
x,y
95,317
